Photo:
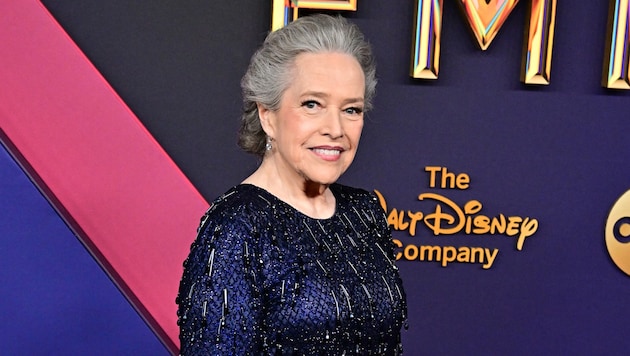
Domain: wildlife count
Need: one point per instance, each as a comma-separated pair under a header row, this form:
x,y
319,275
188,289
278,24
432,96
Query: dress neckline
x,y
275,199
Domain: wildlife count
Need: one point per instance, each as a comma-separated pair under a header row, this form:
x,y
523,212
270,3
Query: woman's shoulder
x,y
241,206
243,199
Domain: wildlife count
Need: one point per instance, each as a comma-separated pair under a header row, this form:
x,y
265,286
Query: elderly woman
x,y
289,262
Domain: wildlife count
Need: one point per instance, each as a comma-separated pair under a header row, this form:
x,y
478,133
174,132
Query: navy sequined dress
x,y
264,279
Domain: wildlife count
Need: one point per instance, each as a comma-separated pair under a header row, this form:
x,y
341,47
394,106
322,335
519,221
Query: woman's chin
x,y
322,180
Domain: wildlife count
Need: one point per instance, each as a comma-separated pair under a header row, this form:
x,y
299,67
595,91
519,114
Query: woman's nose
x,y
332,125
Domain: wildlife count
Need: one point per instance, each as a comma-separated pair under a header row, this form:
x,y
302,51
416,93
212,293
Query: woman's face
x,y
317,128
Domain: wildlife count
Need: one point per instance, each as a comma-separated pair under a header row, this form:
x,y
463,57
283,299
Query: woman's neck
x,y
310,198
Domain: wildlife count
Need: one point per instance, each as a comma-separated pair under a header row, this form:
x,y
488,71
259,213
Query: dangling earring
x,y
268,144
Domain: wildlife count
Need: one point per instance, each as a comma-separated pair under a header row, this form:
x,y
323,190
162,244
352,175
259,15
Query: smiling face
x,y
316,129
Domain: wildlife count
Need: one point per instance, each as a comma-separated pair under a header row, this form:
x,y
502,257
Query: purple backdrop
x,y
559,154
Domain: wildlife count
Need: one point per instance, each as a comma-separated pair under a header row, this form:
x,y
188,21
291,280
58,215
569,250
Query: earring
x,y
268,144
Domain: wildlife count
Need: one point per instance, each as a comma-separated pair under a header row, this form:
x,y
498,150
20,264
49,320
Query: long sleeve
x,y
386,242
219,302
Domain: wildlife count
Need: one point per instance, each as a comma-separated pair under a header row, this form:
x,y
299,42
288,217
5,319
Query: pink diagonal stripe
x,y
102,170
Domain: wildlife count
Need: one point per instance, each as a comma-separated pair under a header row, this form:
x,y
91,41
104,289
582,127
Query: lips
x,y
328,153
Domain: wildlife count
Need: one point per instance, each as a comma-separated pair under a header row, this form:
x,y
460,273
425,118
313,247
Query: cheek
x,y
354,132
298,130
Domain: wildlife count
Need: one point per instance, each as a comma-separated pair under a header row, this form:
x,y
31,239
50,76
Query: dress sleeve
x,y
386,240
384,232
219,302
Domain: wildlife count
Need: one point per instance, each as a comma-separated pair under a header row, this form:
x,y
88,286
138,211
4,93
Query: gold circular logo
x,y
618,233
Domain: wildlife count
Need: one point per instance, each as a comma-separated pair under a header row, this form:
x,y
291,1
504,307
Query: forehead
x,y
331,71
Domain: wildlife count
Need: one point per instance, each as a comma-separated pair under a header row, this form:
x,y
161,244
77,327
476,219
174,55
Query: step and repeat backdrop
x,y
499,146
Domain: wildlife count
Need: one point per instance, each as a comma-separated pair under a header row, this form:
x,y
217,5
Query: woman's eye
x,y
353,111
310,104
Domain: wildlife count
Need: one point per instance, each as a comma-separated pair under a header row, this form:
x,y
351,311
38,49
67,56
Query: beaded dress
x,y
264,279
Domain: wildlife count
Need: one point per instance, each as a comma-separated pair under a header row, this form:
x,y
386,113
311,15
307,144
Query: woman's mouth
x,y
328,153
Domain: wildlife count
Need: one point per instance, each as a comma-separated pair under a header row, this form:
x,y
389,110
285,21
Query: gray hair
x,y
270,68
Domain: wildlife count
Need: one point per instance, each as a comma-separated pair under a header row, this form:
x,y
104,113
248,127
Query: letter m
x,y
485,18
434,253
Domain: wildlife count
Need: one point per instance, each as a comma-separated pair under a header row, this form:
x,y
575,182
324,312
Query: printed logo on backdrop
x,y
439,215
618,233
484,19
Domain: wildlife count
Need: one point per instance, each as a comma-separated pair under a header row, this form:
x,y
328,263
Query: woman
x,y
290,262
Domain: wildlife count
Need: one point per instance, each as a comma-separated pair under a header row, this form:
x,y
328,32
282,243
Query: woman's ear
x,y
267,119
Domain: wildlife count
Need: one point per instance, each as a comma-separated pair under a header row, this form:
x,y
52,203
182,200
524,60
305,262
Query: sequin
x,y
319,287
